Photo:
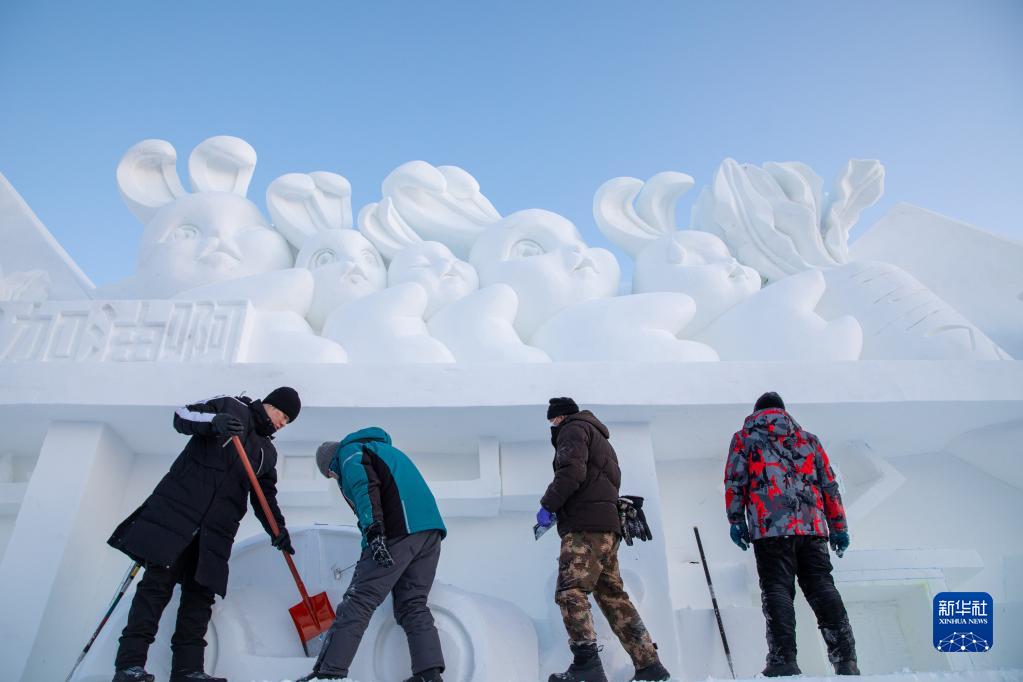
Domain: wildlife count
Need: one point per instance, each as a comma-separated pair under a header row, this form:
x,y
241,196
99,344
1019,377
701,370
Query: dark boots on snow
x,y
195,676
136,673
781,669
654,671
320,676
428,675
847,668
586,666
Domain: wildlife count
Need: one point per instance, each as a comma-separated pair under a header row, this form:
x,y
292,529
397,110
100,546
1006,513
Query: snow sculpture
x,y
30,285
479,328
623,329
387,327
901,318
288,290
543,258
434,267
303,204
779,323
314,211
776,219
279,330
988,284
210,235
640,218
345,267
476,326
426,203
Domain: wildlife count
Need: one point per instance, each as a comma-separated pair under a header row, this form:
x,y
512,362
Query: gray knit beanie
x,y
325,455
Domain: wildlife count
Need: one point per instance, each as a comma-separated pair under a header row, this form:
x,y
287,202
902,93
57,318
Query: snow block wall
x,y
434,316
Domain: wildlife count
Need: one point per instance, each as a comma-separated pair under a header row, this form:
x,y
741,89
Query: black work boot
x,y
847,667
428,675
654,671
136,673
195,676
320,676
781,669
586,666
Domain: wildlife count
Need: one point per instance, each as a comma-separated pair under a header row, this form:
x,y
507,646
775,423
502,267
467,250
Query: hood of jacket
x,y
773,420
355,441
367,435
588,417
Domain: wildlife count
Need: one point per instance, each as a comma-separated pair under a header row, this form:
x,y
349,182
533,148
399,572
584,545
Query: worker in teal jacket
x,y
401,535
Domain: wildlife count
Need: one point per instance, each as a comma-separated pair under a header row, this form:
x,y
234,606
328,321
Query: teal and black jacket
x,y
383,486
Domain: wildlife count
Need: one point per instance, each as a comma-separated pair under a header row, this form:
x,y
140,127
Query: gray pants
x,y
409,580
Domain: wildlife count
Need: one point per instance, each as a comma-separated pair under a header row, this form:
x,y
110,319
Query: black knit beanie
x,y
769,400
286,400
561,407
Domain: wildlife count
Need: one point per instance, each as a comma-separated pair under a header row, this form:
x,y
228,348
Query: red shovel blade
x,y
312,625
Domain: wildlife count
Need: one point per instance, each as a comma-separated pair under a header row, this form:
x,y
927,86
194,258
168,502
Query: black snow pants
x,y
781,561
151,597
409,580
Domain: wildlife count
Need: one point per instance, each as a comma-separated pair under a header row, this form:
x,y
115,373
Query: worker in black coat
x,y
184,531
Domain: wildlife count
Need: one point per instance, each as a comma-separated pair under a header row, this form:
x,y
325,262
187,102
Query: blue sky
x,y
542,101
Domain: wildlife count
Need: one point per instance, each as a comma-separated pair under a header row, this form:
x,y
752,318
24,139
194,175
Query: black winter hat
x,y
561,407
286,400
769,400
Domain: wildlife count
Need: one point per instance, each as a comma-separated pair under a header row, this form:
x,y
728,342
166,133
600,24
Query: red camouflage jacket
x,y
779,478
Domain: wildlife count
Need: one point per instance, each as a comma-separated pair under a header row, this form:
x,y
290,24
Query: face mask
x,y
264,425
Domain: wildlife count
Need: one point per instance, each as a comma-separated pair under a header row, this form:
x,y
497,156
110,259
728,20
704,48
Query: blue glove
x,y
740,535
544,518
839,542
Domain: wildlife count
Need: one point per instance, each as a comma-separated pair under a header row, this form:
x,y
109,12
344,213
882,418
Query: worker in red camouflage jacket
x,y
781,495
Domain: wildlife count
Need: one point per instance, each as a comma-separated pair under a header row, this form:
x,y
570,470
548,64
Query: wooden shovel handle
x,y
273,525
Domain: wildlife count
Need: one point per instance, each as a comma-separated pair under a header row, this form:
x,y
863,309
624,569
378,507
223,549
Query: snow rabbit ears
x,y
148,178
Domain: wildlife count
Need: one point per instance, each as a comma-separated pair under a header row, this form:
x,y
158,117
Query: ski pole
x,y
714,601
128,577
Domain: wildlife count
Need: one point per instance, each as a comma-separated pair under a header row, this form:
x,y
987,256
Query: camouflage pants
x,y
589,564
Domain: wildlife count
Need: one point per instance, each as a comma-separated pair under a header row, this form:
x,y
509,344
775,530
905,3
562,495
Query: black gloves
x,y
228,425
634,525
283,542
377,545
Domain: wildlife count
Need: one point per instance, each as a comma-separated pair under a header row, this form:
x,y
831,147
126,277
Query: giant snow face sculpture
x,y
190,240
345,266
207,237
698,264
433,266
543,258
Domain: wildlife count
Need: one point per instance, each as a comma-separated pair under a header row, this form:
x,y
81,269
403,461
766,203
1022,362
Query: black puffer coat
x,y
584,492
204,493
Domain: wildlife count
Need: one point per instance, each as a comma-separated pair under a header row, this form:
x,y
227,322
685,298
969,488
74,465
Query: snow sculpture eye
x,y
322,258
525,248
369,257
183,232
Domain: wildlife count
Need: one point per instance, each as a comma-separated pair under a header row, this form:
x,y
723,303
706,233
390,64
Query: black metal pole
x,y
714,601
128,577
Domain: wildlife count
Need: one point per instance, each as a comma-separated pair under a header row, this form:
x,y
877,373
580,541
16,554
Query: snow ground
x,y
905,676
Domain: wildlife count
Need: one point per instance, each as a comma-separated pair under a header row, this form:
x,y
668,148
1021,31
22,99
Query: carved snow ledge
x,y
124,331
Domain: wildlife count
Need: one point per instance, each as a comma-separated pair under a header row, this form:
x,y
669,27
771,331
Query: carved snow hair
x,y
148,178
632,213
776,219
421,202
304,204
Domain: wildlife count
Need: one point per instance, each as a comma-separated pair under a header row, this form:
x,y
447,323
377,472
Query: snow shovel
x,y
314,615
